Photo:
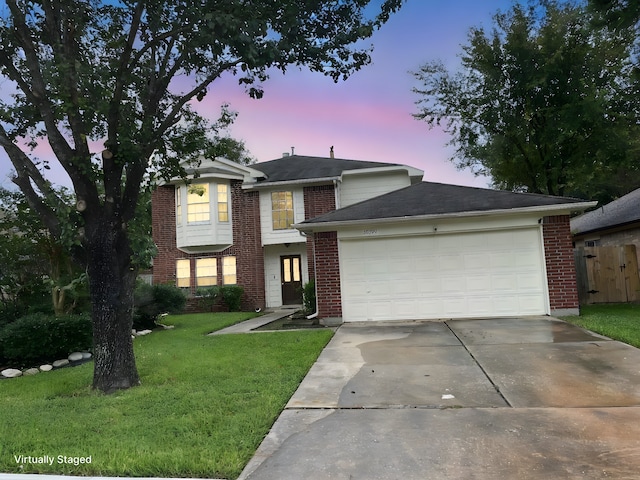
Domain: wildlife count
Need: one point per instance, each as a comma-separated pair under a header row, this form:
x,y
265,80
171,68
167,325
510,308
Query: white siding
x,y
272,273
208,236
271,236
356,188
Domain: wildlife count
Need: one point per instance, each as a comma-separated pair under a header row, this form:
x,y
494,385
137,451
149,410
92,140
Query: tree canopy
x,y
617,13
543,102
110,86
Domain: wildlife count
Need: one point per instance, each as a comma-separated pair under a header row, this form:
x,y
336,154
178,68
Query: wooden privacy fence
x,y
607,274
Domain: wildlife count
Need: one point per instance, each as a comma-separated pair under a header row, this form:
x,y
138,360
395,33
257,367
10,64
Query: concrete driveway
x,y
517,398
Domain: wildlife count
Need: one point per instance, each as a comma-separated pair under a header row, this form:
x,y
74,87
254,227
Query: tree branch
x,y
118,93
26,172
38,91
66,48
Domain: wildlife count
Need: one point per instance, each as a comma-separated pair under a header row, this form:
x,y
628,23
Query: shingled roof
x,y
298,167
427,198
623,211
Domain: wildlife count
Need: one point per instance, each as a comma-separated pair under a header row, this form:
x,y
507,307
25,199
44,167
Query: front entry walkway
x,y
530,398
249,326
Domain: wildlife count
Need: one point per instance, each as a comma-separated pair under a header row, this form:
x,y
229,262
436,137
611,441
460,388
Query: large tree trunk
x,y
111,284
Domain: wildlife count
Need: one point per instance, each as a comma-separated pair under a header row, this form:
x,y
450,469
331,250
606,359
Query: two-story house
x,y
380,243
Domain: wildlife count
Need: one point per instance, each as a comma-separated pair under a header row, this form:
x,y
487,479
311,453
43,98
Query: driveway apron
x,y
517,398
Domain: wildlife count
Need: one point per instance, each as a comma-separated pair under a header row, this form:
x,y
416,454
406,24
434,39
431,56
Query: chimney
x,y
285,154
331,152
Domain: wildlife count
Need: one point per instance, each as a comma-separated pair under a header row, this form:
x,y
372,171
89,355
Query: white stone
x,y
31,371
86,355
11,373
46,368
141,333
75,357
60,363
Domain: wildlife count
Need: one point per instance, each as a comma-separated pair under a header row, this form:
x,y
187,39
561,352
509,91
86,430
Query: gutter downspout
x,y
315,283
336,187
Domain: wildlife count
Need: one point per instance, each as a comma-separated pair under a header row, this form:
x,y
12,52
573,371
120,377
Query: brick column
x,y
247,245
561,269
163,231
329,295
318,200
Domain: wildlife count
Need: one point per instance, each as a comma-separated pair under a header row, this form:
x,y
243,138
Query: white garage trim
x,y
443,275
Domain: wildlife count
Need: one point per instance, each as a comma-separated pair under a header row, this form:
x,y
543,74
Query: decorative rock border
x,y
74,359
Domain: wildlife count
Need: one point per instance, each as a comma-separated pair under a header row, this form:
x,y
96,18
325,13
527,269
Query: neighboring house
x,y
379,243
614,224
607,242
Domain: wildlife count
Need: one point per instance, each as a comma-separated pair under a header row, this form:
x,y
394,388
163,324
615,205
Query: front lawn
x,y
619,321
204,406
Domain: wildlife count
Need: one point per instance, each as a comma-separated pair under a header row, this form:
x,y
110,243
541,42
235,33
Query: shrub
x,y
208,297
232,296
152,300
39,336
309,297
9,313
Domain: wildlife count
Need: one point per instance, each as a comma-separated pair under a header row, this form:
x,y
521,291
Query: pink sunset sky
x,y
367,117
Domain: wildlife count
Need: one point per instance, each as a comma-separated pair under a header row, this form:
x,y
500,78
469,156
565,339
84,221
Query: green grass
x,y
203,408
620,321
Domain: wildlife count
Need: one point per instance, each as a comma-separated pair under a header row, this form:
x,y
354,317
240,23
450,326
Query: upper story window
x,y
198,209
223,202
282,210
178,206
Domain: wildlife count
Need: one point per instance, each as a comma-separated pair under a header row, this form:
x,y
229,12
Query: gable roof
x,y
427,199
216,168
621,211
299,167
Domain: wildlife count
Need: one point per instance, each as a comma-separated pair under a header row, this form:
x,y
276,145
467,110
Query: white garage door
x,y
477,274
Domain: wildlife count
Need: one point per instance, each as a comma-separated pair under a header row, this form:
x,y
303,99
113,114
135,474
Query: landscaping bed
x,y
204,405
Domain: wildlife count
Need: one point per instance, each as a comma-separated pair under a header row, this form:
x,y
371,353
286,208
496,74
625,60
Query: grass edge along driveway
x,y
617,321
203,408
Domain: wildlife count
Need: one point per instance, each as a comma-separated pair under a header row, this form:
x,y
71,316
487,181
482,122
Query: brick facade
x,y
561,270
163,229
328,275
247,244
318,200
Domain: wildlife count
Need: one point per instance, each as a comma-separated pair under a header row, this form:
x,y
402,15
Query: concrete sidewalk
x,y
527,398
248,326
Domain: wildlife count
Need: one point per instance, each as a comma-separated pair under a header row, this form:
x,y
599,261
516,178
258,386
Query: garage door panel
x,y
443,276
451,285
448,261
476,261
502,260
400,265
376,266
504,283
478,283
531,281
455,307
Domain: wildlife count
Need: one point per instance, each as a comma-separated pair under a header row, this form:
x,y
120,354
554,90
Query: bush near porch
x,y
204,405
617,321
